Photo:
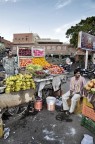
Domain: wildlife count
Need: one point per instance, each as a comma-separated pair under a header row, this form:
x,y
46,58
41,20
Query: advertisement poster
x,y
86,41
38,51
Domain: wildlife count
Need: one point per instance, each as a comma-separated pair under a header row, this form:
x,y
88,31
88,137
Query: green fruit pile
x,y
19,82
34,67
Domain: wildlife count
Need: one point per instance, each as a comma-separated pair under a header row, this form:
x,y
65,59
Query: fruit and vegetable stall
x,y
89,92
34,73
18,89
88,109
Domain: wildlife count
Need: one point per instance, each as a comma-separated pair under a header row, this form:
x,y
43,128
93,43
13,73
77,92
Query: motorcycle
x,y
88,73
66,67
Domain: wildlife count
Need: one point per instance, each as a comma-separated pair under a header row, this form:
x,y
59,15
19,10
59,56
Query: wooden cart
x,y
12,101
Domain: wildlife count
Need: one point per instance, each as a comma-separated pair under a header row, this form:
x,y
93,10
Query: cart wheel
x,y
22,109
13,111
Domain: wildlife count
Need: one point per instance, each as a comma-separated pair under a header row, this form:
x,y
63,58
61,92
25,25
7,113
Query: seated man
x,y
76,91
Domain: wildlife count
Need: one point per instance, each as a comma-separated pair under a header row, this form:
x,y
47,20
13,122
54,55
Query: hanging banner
x,y
86,41
38,51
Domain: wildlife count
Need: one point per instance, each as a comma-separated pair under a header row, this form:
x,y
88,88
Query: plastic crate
x,y
88,123
89,112
85,101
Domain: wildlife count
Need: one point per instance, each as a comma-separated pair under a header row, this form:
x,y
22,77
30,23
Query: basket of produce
x,y
88,123
89,91
90,87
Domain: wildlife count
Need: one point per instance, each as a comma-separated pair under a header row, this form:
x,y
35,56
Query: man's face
x,y
77,75
10,54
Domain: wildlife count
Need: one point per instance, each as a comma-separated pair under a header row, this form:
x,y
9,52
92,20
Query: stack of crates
x,y
88,116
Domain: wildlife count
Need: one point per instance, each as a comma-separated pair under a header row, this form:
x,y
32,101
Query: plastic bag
x,y
87,139
6,132
16,71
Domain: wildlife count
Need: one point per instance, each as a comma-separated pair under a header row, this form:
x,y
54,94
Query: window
x,y
53,48
48,47
58,47
26,38
63,47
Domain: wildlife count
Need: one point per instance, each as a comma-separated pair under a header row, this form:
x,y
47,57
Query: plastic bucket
x,y
51,103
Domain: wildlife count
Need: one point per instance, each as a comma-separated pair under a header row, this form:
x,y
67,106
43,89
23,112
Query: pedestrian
x,y
77,83
68,63
9,64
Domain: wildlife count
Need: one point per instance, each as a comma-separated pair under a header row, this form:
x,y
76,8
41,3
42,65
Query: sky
x,y
47,18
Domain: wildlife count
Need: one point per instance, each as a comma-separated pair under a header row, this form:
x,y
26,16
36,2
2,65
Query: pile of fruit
x,y
34,67
25,52
40,61
90,86
19,82
36,71
25,61
40,74
55,69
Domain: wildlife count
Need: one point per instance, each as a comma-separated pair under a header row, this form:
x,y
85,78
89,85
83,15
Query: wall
x,y
23,38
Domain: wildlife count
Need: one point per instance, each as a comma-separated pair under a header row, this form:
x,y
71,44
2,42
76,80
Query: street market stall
x,y
87,42
34,72
44,73
88,110
24,55
17,90
51,82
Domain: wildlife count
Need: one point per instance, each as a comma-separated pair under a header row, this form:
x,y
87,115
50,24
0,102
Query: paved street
x,y
43,128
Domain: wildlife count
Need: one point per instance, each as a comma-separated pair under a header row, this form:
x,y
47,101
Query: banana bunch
x,y
19,82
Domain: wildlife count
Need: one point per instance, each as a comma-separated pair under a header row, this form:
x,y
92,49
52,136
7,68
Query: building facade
x,y
52,46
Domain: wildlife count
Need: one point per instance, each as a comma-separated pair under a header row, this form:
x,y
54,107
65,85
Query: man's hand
x,y
71,94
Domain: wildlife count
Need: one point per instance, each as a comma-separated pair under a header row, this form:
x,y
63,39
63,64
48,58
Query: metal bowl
x,y
2,89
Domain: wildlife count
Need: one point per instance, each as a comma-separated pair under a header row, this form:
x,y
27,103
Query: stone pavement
x,y
43,128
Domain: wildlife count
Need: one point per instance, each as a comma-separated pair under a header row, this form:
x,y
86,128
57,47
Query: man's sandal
x,y
63,117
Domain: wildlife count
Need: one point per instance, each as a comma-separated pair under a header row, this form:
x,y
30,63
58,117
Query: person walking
x,y
77,83
9,64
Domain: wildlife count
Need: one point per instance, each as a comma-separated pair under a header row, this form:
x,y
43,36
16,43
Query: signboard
x,y
86,41
25,52
38,51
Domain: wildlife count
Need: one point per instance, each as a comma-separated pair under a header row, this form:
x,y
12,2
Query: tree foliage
x,y
2,48
87,25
